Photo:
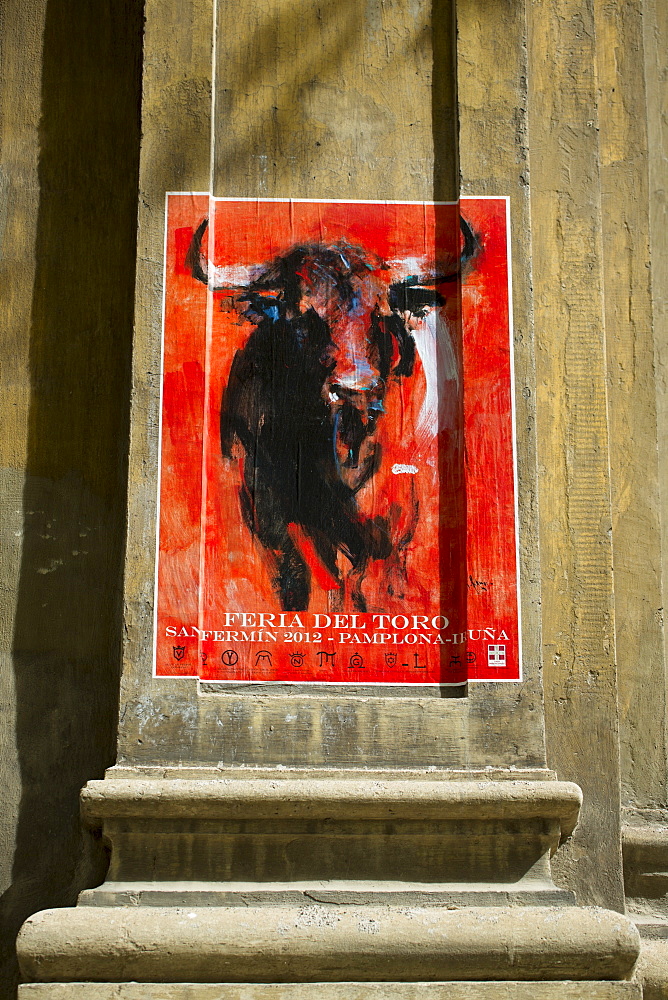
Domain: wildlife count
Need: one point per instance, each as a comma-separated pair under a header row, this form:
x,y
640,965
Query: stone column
x,y
636,164
378,846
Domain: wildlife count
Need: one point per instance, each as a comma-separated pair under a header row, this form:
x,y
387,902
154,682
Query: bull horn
x,y
469,252
195,259
471,243
230,278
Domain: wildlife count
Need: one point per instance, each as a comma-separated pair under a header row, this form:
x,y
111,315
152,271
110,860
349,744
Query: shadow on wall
x,y
444,123
67,637
445,137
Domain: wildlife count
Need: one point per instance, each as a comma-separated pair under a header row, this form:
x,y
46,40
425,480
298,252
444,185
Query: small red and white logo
x,y
496,655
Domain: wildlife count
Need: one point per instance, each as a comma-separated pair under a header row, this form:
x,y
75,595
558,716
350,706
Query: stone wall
x,y
69,146
561,106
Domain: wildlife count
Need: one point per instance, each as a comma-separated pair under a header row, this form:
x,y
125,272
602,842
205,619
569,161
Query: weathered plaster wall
x,y
335,100
20,54
642,739
634,468
597,176
552,111
573,437
69,137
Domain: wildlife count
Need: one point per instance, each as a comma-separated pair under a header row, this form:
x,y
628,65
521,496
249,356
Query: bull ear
x,y
263,305
414,295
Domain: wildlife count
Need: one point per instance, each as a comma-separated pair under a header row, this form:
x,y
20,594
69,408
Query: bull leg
x,y
359,540
376,543
336,599
328,554
403,521
326,550
291,578
355,581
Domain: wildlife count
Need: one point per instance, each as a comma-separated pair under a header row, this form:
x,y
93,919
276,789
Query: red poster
x,y
337,498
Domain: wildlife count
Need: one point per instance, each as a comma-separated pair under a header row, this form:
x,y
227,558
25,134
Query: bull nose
x,y
347,387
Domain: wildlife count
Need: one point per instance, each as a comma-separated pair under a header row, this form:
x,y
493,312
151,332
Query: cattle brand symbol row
x,y
322,381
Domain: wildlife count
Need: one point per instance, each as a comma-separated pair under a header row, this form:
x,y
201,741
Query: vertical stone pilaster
x,y
655,39
634,469
573,446
333,101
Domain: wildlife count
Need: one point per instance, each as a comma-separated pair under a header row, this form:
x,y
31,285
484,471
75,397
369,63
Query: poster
x,y
337,496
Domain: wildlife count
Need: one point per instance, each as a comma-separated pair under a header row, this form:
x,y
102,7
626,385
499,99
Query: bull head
x,y
364,313
414,294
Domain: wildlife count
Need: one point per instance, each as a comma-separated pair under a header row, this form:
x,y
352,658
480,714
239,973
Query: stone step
x,y
326,943
481,834
334,991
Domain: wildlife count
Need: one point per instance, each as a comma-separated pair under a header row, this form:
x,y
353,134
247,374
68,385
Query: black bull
x,y
305,395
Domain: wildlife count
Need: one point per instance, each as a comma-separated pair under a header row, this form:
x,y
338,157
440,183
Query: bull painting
x,y
332,329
